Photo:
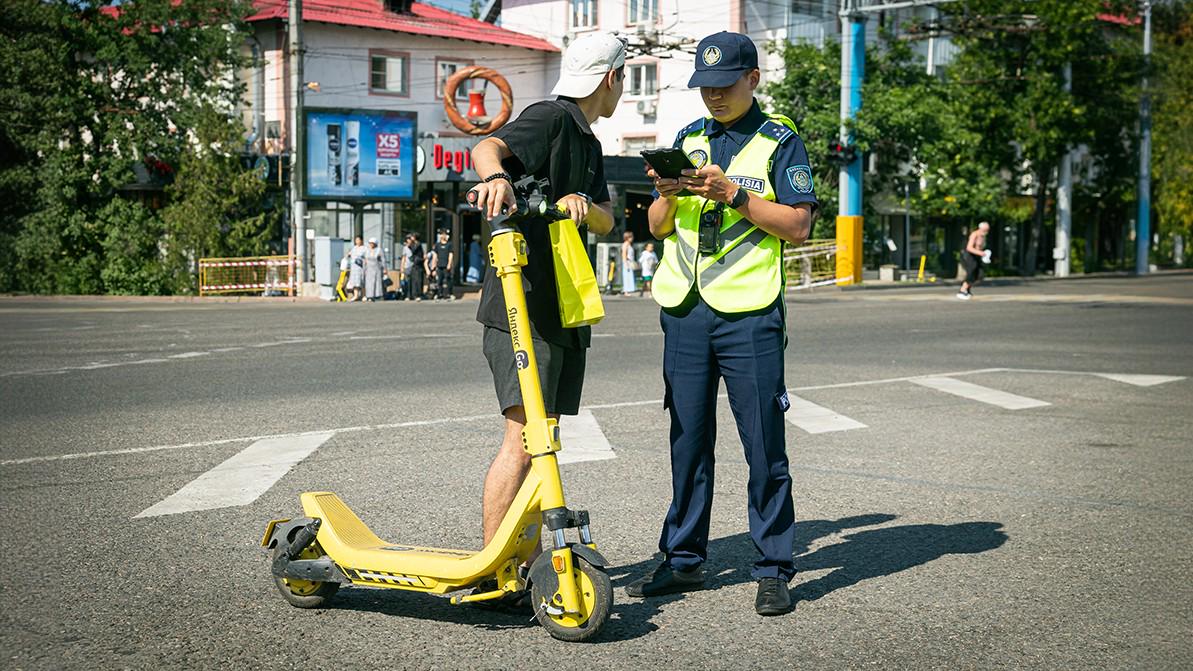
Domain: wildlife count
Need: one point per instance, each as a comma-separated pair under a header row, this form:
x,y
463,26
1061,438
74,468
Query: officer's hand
x,y
493,197
667,187
710,182
576,206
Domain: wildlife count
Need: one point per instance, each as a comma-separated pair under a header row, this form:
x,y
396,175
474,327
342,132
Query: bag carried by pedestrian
x,y
579,296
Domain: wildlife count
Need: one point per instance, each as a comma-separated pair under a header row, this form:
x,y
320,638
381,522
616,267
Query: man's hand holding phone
x,y
667,187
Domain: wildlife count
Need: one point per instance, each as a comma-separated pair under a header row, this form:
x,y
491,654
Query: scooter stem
x,y
540,437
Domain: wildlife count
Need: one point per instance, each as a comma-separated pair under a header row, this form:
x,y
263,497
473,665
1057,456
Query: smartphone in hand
x,y
668,163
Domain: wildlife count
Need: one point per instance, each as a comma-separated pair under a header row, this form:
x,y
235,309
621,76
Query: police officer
x,y
720,284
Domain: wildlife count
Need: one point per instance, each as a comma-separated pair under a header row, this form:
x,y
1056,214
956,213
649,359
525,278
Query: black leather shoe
x,y
773,597
666,580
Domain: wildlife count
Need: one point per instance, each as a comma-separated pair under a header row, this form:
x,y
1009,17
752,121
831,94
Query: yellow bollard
x,y
849,249
920,277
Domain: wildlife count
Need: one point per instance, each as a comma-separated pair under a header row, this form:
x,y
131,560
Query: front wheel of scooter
x,y
305,593
596,601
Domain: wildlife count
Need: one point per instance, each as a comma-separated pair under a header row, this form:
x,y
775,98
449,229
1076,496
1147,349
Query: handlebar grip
x,y
471,196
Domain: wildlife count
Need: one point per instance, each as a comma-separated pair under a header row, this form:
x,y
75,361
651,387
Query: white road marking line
x,y
977,392
1141,380
188,355
241,479
448,420
582,439
816,418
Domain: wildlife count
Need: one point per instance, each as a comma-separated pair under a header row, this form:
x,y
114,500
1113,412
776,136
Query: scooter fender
x,y
280,532
543,574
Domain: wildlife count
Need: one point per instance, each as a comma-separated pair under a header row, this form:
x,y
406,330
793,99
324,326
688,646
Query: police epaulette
x,y
776,131
697,125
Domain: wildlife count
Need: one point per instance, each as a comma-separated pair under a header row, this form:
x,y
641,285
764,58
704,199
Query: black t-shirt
x,y
442,249
549,139
416,255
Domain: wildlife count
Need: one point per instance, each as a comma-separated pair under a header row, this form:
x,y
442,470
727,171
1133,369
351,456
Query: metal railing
x,y
267,275
812,264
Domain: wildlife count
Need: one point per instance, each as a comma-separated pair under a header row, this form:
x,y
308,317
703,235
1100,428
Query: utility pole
x,y
298,208
1143,229
1064,199
849,210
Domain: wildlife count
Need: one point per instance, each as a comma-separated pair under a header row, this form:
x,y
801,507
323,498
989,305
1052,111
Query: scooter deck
x,y
366,559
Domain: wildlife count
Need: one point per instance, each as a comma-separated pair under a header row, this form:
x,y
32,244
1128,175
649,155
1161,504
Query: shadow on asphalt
x,y
860,556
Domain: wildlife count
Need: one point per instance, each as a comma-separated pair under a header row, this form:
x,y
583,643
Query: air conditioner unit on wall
x,y
648,107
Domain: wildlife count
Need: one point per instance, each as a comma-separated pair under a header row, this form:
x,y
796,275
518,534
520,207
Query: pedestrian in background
x,y
404,267
445,263
374,271
648,260
628,264
356,272
417,269
720,287
476,264
973,259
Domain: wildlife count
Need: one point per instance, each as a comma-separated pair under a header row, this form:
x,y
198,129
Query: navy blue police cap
x,y
722,58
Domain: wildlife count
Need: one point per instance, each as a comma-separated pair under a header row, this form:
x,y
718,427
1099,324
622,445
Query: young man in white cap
x,y
554,140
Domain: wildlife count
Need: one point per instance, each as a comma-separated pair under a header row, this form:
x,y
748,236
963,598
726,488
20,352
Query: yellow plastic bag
x,y
579,297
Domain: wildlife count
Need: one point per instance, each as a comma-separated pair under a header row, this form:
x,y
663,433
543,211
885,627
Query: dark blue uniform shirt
x,y
790,171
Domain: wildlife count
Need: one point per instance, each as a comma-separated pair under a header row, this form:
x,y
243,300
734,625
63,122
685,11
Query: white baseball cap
x,y
587,61
372,241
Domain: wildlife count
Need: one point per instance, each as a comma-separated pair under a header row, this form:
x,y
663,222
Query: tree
x,y
1009,79
88,91
1172,162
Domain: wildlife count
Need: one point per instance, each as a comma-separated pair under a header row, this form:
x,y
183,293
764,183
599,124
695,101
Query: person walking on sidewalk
x,y
628,264
445,262
720,285
648,260
974,259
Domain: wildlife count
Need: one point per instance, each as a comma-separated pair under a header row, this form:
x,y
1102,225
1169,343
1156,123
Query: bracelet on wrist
x,y
499,175
740,198
585,196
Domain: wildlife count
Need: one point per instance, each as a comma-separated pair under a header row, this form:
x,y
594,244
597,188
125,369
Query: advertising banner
x,y
446,159
360,155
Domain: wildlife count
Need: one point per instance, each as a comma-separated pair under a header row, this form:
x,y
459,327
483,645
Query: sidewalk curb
x,y
1010,281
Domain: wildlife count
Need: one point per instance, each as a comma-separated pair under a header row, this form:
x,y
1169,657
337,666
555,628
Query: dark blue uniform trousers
x,y
700,347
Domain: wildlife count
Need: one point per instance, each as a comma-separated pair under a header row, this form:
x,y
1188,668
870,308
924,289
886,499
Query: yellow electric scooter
x,y
570,591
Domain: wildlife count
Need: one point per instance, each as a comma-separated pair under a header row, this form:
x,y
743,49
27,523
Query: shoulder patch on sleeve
x,y
776,131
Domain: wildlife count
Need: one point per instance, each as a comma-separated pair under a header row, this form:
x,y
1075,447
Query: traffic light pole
x,y
1143,228
298,208
849,212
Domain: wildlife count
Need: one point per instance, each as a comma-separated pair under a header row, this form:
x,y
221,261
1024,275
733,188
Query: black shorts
x,y
973,267
561,372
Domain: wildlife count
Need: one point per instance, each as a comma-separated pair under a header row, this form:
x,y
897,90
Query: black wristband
x,y
499,175
740,198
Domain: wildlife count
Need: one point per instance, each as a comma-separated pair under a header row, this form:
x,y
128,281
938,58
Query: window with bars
x,y
642,80
583,14
643,11
389,73
448,68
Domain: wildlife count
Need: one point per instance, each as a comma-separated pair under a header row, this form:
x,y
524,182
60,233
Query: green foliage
x,y
89,90
1172,129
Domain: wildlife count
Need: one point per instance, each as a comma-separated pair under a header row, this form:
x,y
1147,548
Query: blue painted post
x,y
849,215
1143,227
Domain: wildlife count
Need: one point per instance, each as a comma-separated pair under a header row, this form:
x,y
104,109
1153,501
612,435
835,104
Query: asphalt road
x,y
942,532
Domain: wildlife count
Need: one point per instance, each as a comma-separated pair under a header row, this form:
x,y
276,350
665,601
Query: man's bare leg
x,y
505,476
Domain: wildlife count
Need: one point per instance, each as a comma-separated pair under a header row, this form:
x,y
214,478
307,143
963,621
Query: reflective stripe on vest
x,y
747,272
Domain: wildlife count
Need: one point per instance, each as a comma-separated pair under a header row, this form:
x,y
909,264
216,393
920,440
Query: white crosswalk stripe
x,y
977,392
1140,380
243,478
583,439
817,418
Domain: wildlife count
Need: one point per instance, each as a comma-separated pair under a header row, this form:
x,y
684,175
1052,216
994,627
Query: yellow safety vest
x,y
747,272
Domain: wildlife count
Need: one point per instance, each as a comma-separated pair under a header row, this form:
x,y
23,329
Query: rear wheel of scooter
x,y
596,601
305,593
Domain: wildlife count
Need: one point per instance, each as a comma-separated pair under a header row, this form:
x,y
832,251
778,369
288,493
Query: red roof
x,y
422,20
